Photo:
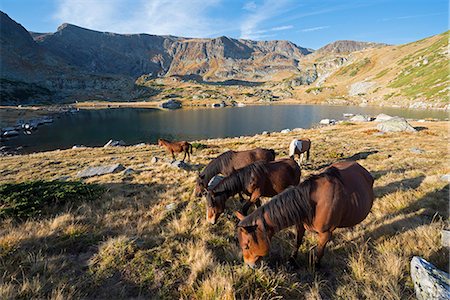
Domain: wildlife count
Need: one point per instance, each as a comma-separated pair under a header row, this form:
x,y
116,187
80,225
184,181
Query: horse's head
x,y
215,205
160,142
253,241
200,186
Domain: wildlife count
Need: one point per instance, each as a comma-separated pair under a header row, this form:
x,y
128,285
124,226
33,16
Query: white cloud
x,y
314,28
163,17
250,6
280,28
267,10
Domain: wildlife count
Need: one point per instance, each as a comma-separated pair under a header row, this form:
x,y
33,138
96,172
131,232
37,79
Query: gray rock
x,y
429,282
154,160
445,177
171,104
215,181
265,133
180,165
360,118
417,150
128,171
327,122
360,88
78,146
140,145
382,118
285,130
62,178
445,238
112,143
396,124
297,129
100,170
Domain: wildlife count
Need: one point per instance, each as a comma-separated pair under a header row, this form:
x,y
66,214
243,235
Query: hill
x,y
147,236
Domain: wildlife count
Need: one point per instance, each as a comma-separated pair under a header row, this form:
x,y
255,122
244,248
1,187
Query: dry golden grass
x,y
127,244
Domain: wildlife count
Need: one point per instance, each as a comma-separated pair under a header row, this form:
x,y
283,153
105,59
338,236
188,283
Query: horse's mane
x,y
239,178
217,165
292,205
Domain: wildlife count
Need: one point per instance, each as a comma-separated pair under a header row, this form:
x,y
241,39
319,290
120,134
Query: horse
x,y
228,162
299,147
341,196
177,147
260,179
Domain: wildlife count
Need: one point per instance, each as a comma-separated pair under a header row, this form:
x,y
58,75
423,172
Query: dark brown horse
x,y
228,162
177,147
299,147
260,179
341,196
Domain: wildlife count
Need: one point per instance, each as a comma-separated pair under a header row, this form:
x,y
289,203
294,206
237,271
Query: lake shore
x,y
148,219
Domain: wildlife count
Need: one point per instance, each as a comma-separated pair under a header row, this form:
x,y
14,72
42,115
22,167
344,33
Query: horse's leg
x,y
184,157
324,237
173,154
300,232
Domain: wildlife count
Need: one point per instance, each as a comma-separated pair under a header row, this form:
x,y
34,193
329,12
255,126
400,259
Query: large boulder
x,y
395,124
180,165
429,282
171,104
100,170
382,118
360,118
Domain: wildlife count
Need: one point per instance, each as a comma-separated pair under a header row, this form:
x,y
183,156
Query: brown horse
x,y
228,162
260,179
177,147
299,147
341,196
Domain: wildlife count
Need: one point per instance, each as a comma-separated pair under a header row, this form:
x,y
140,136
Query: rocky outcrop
x,y
395,124
100,170
345,46
429,282
360,88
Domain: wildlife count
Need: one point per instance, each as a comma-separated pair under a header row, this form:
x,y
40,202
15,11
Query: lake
x,y
133,125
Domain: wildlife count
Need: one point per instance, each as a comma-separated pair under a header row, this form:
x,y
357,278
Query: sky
x,y
307,23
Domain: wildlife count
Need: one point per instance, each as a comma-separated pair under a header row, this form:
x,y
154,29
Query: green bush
x,y
33,198
199,146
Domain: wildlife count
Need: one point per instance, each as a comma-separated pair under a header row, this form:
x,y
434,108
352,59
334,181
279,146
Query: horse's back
x,y
284,172
357,194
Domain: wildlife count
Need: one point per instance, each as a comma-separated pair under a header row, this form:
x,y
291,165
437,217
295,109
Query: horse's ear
x,y
239,215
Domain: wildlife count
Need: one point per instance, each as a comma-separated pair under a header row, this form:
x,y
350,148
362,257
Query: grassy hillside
x,y
147,236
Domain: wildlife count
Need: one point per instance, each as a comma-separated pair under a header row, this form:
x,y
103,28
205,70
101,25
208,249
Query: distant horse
x,y
228,162
177,147
260,179
341,196
299,147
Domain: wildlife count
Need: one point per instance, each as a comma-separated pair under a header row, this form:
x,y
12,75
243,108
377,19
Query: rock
x,y
140,145
347,115
421,121
327,122
360,118
78,146
417,150
112,143
220,104
128,171
171,104
180,164
100,170
215,181
429,282
285,130
445,178
154,160
62,178
382,118
297,129
265,133
445,238
396,124
171,206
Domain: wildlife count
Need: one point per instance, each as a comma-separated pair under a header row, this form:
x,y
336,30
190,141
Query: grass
x,y
353,68
128,244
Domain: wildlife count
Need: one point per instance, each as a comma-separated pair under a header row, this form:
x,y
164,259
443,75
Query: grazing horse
x,y
341,196
228,162
299,147
177,147
260,179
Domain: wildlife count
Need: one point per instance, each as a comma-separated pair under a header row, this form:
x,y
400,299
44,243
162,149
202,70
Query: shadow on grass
x,y
401,185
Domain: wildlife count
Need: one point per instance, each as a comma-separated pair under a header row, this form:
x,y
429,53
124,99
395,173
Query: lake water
x,y
96,127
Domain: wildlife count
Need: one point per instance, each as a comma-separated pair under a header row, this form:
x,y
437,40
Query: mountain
x,y
345,46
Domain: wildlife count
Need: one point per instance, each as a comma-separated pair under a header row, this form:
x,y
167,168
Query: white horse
x,y
299,147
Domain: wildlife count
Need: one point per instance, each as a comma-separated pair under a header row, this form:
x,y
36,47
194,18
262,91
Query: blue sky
x,y
308,23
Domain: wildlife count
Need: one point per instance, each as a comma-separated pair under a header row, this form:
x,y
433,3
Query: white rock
x,y
382,118
325,121
359,118
285,130
100,170
395,124
154,160
429,282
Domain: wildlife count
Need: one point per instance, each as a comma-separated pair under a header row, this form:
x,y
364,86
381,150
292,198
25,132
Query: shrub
x,y
27,199
199,146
